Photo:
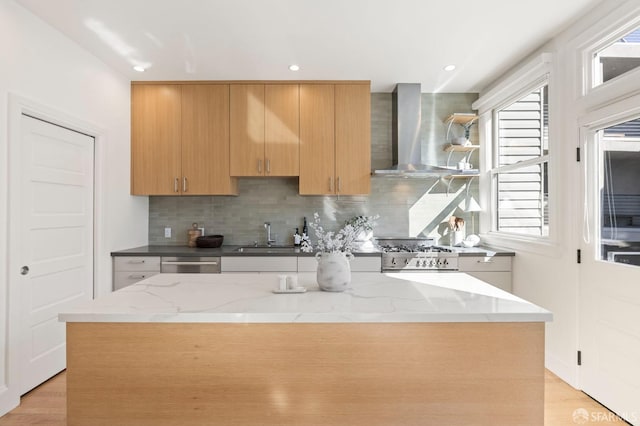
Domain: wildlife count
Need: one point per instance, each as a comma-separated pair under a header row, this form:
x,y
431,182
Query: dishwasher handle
x,y
191,265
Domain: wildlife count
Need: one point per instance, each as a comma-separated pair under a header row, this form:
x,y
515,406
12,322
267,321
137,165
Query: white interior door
x,y
610,271
51,241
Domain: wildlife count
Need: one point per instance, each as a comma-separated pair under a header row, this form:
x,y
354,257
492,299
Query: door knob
x,y
24,270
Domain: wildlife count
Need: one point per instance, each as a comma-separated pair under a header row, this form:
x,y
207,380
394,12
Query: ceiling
x,y
385,41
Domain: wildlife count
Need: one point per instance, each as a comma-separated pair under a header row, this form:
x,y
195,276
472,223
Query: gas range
x,y
416,255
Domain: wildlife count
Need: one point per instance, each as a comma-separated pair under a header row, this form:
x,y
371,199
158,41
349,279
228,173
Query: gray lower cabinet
x,y
495,270
291,264
259,264
131,269
358,264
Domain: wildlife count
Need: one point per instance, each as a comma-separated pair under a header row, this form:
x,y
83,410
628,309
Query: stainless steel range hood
x,y
406,144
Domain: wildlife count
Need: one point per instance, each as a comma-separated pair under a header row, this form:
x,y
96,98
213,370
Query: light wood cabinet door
x,y
155,139
317,139
282,123
353,139
247,129
205,141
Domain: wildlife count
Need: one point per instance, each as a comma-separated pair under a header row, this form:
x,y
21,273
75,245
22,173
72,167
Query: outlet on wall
x,y
167,232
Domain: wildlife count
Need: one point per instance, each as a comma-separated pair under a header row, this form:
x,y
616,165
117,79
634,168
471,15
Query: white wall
x,y
39,63
548,274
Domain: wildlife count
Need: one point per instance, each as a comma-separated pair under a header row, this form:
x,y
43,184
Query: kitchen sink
x,y
267,250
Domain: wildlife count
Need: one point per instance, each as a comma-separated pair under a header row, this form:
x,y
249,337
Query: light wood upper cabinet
x,y
195,138
353,139
264,130
317,139
205,140
335,139
180,140
282,129
155,139
247,130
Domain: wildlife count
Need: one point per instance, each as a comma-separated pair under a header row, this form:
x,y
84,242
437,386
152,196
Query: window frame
x,y
536,71
495,169
590,124
608,34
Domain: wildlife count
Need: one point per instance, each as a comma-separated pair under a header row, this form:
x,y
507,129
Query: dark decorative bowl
x,y
209,241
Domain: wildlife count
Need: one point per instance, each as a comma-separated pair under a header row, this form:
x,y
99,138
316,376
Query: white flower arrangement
x,y
329,241
363,223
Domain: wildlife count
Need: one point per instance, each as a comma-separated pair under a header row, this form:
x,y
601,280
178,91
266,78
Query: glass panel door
x,y
609,286
620,200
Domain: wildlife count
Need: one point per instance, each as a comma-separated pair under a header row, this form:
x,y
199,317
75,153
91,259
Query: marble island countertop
x,y
248,298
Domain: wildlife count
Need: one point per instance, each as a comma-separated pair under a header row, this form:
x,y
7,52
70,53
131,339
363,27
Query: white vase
x,y
334,272
456,238
364,235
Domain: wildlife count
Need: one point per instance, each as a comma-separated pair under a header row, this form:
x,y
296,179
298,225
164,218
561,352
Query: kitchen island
x,y
410,349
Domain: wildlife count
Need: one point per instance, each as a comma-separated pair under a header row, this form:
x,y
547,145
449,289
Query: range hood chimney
x,y
405,138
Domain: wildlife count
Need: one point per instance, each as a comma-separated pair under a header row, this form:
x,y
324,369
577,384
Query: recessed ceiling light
x,y
449,67
139,68
294,67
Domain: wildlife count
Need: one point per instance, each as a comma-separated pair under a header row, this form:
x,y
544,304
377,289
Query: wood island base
x,y
305,374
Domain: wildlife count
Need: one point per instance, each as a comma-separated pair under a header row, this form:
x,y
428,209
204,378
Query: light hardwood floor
x,y
45,405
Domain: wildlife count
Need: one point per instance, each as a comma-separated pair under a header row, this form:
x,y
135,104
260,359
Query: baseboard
x,y
8,400
566,371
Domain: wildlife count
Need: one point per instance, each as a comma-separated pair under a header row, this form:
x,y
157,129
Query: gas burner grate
x,y
414,249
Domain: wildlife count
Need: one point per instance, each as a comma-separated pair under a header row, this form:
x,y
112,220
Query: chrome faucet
x,y
267,226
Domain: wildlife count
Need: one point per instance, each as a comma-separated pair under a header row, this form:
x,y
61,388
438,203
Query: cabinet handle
x,y
339,184
268,166
485,261
184,184
137,276
259,166
136,262
175,185
331,183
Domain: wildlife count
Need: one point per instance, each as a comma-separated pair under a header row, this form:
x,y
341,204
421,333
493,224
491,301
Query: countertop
x,y
231,250
222,251
248,298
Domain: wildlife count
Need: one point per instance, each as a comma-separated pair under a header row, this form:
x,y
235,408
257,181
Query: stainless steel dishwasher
x,y
190,264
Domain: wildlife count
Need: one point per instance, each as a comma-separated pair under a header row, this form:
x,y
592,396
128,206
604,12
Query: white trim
x,y
567,371
485,124
535,83
489,139
526,73
589,126
543,246
618,26
17,106
9,398
612,114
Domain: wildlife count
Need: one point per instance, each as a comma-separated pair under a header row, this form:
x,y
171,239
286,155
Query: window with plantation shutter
x,y
520,165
